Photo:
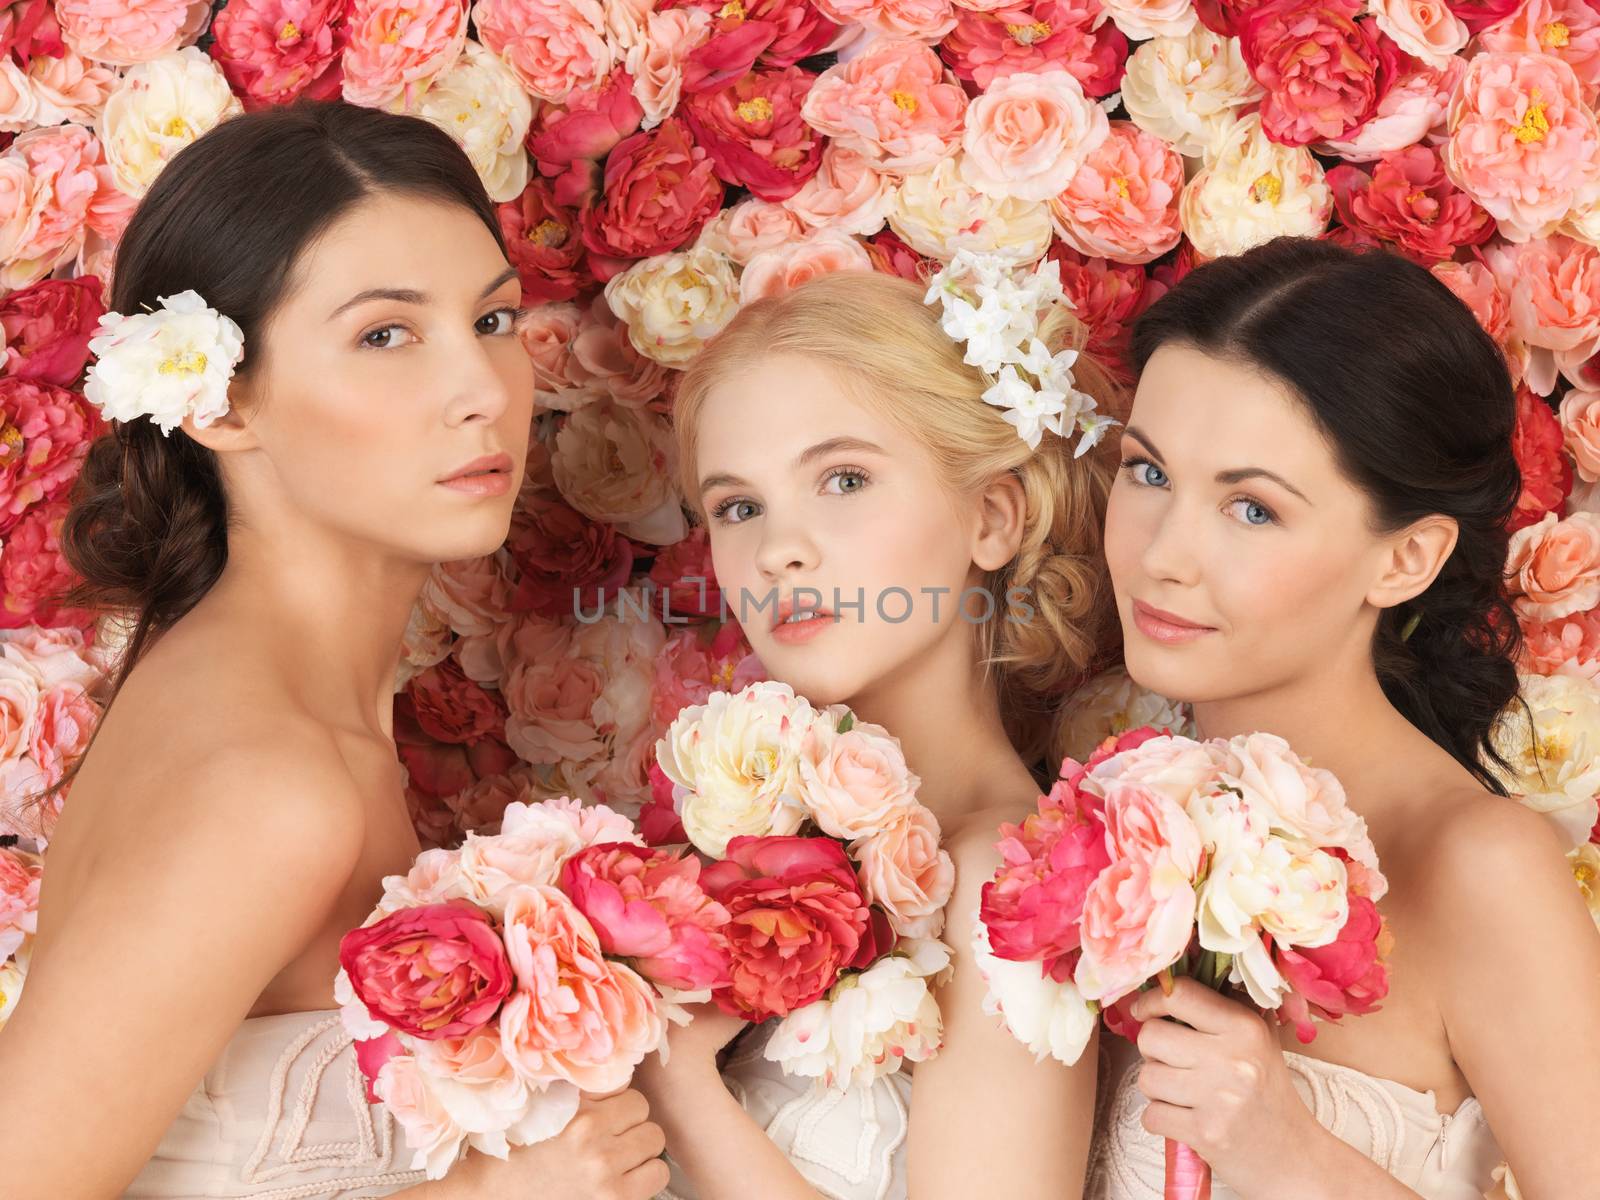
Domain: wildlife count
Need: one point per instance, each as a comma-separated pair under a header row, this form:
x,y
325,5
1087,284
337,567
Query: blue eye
x,y
745,509
1253,512
1143,471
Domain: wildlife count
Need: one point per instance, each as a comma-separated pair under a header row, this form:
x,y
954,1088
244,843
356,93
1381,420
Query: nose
x,y
786,548
477,382
1170,555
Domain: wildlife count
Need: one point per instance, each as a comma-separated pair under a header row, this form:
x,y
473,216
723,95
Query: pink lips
x,y
486,476
798,632
1167,628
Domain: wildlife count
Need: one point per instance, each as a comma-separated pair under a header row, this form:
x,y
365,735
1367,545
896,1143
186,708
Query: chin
x,y
820,682
1168,672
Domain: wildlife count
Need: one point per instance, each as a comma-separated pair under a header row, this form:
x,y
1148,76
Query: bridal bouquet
x,y
494,983
1230,861
831,873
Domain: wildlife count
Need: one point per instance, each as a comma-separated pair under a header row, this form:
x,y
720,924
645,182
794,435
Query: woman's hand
x,y
1217,1082
692,1050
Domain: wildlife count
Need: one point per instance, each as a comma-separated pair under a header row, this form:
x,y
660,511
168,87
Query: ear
x,y
233,431
1002,509
1416,555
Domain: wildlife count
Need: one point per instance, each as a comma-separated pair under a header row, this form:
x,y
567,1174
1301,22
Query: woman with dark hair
x,y
1307,537
269,536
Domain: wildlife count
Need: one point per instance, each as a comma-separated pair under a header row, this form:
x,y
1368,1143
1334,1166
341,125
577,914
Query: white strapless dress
x,y
1439,1156
849,1145
281,1116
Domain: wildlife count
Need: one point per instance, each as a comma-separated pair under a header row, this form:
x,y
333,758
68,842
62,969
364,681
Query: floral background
x,y
658,163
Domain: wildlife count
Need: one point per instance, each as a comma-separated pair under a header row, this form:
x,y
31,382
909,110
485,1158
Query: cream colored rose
x,y
12,974
856,783
1111,704
480,103
157,110
1555,758
737,758
1252,191
674,303
938,213
1187,90
1045,1016
1141,19
614,463
426,641
1585,863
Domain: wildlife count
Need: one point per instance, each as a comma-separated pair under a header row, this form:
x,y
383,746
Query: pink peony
x,y
44,436
605,357
397,47
454,709
66,721
1546,473
1408,202
892,256
469,594
573,1014
34,577
693,664
825,252
1106,296
1034,35
685,572
775,33
19,899
924,20
1564,29
798,918
484,803
544,245
893,103
552,46
28,28
47,328
65,165
1346,976
906,873
1522,142
1580,426
648,906
1553,566
568,141
275,51
1568,645
1415,109
660,189
1027,135
124,32
1122,204
753,132
433,972
658,817
1554,289
1478,15
70,88
564,560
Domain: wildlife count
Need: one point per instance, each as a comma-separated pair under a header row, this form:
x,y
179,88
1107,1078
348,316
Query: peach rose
x,y
904,872
1141,19
751,227
19,109
1188,90
552,706
855,783
1522,142
893,103
1554,289
1414,109
938,213
606,356
1553,567
1564,29
1252,191
1580,427
848,193
432,1134
397,47
656,61
924,20
1123,202
559,382
773,272
19,899
1568,645
470,594
70,88
1424,29
614,464
125,32
553,46
1027,135
1475,286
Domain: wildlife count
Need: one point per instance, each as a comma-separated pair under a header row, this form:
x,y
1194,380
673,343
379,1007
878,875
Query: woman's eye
x,y
1253,512
844,482
734,511
500,321
1146,473
385,338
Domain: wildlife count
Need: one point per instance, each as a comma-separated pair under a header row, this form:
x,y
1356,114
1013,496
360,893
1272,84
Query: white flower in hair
x,y
166,365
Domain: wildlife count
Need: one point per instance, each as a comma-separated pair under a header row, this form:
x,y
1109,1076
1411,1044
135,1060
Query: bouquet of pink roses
x,y
495,982
1231,861
831,873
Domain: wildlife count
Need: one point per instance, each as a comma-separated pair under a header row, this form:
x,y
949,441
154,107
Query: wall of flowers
x,y
658,163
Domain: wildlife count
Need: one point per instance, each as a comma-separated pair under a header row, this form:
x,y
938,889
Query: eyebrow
x,y
1236,475
412,296
806,456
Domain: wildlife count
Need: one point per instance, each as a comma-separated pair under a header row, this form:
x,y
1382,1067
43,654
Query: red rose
x,y
48,327
438,768
778,33
1408,202
275,52
798,918
658,817
44,435
1478,15
1036,35
684,571
754,134
1546,469
1346,976
542,239
29,28
1226,17
453,708
660,190
34,577
1106,296
1324,71
434,972
566,142
563,558
892,256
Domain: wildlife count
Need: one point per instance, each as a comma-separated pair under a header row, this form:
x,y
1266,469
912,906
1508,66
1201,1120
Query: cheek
x,y
1130,527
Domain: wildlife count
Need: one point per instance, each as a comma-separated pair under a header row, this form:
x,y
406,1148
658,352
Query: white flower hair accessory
x,y
166,365
996,314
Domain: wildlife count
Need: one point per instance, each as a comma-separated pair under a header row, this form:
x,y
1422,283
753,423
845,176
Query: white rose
x,y
1047,1017
1111,704
156,110
480,103
12,974
1555,761
674,303
166,365
1252,191
938,213
1585,863
1187,90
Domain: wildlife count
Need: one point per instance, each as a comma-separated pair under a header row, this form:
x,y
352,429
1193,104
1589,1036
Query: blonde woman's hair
x,y
875,331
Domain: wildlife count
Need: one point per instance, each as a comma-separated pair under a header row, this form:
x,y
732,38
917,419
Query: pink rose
x,y
563,558
124,32
1568,645
1580,425
1346,976
798,918
660,189
568,141
454,709
684,571
848,193
1106,296
751,226
28,29
44,437
1036,35
431,1132
1553,566
483,805
470,594
1324,71
1122,204
754,134
1554,290
1414,109
693,664
573,1014
552,708
657,61
19,899
892,256
1424,29
1226,17
1478,15
543,243
1546,473
1522,142
275,51
34,577
48,327
856,783
396,47
824,252
1564,29
605,356
65,164
1407,201
892,103
70,88
924,20
65,723
1027,134
559,380
658,817
777,33
906,873
648,906
552,46
433,972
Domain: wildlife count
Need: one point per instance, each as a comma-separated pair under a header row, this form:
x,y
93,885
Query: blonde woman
x,y
837,443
